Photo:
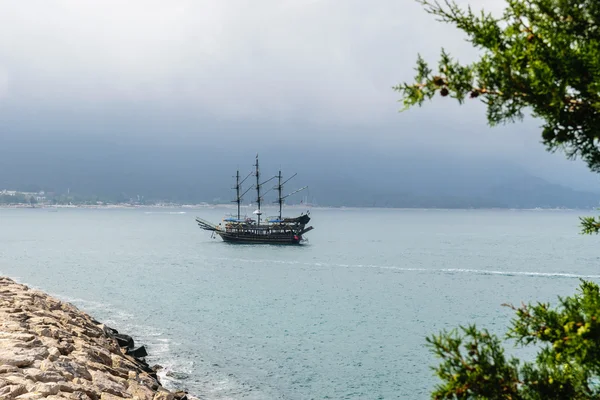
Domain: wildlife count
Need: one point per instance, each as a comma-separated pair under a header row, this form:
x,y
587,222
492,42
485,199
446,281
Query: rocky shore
x,y
49,349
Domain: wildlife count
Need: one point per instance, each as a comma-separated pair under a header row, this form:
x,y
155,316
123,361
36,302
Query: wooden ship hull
x,y
246,237
251,238
248,233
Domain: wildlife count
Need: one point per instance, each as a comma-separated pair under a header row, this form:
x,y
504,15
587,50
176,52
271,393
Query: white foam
x,y
159,347
520,273
426,270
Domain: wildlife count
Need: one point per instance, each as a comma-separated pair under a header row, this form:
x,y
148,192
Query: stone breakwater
x,y
49,349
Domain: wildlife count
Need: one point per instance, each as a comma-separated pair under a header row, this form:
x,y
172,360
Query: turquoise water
x,y
344,317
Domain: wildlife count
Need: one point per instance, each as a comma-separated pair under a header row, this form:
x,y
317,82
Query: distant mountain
x,y
429,181
527,193
336,176
531,192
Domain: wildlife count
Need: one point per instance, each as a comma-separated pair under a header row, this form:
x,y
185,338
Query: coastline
x,y
288,207
50,349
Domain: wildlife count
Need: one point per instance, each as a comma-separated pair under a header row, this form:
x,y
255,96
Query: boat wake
x,y
533,274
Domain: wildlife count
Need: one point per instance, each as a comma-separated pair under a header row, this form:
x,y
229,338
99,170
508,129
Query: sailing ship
x,y
271,230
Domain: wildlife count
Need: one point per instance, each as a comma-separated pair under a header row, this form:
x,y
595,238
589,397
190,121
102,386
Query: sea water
x,y
344,316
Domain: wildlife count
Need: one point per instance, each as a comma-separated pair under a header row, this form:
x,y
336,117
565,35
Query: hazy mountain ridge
x,y
340,176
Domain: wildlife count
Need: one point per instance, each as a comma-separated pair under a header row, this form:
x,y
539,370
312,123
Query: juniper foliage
x,y
567,365
539,56
542,57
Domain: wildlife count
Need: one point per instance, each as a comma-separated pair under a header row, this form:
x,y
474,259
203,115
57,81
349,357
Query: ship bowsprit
x,y
207,226
303,231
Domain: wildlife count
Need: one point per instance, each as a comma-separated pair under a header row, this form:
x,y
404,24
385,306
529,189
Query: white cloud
x,y
332,60
3,84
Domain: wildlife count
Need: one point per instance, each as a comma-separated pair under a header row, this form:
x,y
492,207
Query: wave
x,y
424,270
159,347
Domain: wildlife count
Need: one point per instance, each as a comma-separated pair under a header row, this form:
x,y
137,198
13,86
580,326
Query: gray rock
x,y
12,391
164,396
31,396
47,389
8,368
79,396
50,349
107,384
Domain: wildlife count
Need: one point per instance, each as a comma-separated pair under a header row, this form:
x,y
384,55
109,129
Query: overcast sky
x,y
330,61
158,69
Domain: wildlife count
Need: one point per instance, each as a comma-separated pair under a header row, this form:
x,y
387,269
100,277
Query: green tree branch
x,y
539,56
567,365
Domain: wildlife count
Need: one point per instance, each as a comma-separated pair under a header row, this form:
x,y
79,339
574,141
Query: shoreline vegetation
x,y
49,349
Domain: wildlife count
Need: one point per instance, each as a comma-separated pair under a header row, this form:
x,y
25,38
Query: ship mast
x,y
257,173
238,188
237,192
258,185
279,199
279,190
